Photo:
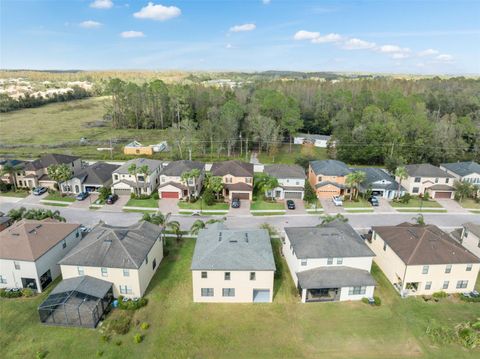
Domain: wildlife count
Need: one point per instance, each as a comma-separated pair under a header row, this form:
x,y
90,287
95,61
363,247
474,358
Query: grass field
x,y
283,329
202,205
416,203
266,205
144,203
58,197
359,203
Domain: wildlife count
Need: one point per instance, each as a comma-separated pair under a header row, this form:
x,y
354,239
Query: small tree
x,y
133,171
208,197
463,190
419,220
104,192
215,184
59,173
10,170
353,180
266,183
310,196
187,176
145,171
401,173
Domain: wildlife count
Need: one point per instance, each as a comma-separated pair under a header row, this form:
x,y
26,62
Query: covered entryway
x,y
122,191
443,195
174,195
293,195
240,195
261,295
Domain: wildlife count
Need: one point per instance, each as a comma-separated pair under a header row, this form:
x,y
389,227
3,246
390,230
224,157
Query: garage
x,y
174,195
261,295
443,195
122,191
293,195
241,195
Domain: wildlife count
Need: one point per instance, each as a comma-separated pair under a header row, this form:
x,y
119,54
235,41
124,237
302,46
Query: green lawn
x,y
198,204
469,203
415,202
406,210
260,214
58,197
283,329
352,210
285,156
266,205
56,204
18,194
359,203
144,203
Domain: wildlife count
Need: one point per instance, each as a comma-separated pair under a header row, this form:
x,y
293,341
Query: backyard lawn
x,y
144,203
266,205
285,156
283,329
58,197
416,203
202,205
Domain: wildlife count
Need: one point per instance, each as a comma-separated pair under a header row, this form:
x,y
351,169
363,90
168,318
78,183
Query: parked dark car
x,y
39,190
373,201
290,204
111,199
235,203
82,195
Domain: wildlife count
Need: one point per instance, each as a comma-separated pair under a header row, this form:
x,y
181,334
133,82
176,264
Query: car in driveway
x,y
373,201
290,204
82,195
337,201
111,199
235,203
39,191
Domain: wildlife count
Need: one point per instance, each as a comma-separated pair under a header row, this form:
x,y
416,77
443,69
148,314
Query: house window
x,y
64,244
248,180
16,265
207,292
329,260
447,180
469,267
253,276
462,284
417,179
436,180
415,190
80,271
154,263
146,259
115,177
445,284
125,289
339,261
448,268
357,290
384,246
104,272
428,285
228,292
227,276
3,280
303,262
319,178
126,272
425,270
204,275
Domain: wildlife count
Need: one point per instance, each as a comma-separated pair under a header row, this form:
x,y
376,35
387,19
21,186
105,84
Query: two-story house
x,y
15,165
35,173
30,251
90,179
126,182
422,259
423,178
291,181
172,185
470,237
379,182
128,257
232,265
329,263
327,178
464,171
237,178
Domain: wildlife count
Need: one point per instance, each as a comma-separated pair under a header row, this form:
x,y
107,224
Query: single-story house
x,y
90,179
136,148
379,182
232,266
291,181
172,185
316,140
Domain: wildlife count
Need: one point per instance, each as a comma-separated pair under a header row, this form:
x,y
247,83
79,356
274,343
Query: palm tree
x,y
353,180
268,183
463,190
35,214
329,219
145,171
10,170
186,176
419,220
59,173
133,171
215,184
401,173
162,220
199,225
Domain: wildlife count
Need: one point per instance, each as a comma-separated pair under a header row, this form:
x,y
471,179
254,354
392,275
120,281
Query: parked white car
x,y
337,200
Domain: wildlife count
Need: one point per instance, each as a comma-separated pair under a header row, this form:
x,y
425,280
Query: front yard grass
x,y
259,214
202,205
359,203
18,194
469,203
144,203
416,203
58,197
266,205
286,328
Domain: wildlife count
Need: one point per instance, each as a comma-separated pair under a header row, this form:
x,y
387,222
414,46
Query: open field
x,y
286,328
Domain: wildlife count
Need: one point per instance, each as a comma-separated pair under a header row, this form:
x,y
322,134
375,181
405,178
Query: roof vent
x,y
107,241
233,241
219,236
246,237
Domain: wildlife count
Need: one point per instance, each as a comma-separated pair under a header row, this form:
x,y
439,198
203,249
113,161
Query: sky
x,y
390,36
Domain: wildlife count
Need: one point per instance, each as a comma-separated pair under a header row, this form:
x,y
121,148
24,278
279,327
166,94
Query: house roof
x,y
285,171
134,144
426,170
114,247
152,165
48,160
375,177
473,228
309,136
220,248
28,240
174,184
462,168
234,168
423,245
330,168
333,240
326,183
441,187
239,186
13,163
334,277
83,284
98,173
177,168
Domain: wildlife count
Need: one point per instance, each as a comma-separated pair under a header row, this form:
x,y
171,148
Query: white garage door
x,y
122,191
293,195
261,295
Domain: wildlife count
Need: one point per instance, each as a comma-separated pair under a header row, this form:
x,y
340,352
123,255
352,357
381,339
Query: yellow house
x,y
136,148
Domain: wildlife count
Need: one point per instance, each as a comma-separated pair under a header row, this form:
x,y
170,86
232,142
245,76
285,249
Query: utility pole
x,y
246,149
111,150
190,154
241,150
391,150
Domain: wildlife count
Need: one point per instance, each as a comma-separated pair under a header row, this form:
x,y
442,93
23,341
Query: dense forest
x,y
373,120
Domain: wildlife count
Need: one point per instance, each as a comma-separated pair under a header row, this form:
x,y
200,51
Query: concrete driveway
x,y
299,207
117,206
86,202
168,205
383,206
329,207
244,209
451,205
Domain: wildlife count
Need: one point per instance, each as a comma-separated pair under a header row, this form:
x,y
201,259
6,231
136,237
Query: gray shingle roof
x,y
330,168
83,284
335,239
114,247
177,168
152,165
234,168
326,183
220,248
334,277
462,168
313,136
426,170
473,228
98,173
48,160
285,171
377,175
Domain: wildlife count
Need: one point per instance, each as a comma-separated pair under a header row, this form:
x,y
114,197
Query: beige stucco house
x,y
128,257
172,185
422,260
237,178
232,266
470,237
291,181
423,178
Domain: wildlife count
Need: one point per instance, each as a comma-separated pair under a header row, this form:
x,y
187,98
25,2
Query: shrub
x,y
378,301
104,192
138,338
41,354
208,197
28,292
105,338
4,187
405,198
118,342
132,304
120,324
426,196
8,294
156,196
470,299
310,195
99,353
145,326
365,300
439,295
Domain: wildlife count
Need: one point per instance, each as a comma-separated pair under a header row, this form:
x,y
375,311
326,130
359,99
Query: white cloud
x,y
306,35
428,52
158,12
229,46
266,2
444,58
131,34
90,24
389,49
327,38
357,44
400,55
102,4
244,27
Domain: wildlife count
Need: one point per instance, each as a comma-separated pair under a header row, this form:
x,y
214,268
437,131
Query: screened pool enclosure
x,y
79,302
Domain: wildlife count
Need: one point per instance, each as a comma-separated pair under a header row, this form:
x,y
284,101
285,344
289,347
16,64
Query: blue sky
x,y
369,36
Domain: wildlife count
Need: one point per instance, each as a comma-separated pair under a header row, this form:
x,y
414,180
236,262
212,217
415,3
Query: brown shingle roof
x,y
48,160
234,168
28,240
422,245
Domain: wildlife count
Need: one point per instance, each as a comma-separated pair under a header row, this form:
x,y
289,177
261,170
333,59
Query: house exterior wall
x,y
150,185
345,296
473,178
13,277
145,150
416,188
471,242
328,190
232,179
240,281
29,179
147,271
195,183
